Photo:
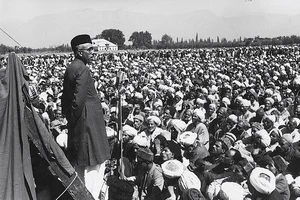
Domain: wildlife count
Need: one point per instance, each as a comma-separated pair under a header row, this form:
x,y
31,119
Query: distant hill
x,y
57,29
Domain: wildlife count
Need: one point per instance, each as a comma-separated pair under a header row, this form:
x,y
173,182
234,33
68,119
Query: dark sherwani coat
x,y
87,139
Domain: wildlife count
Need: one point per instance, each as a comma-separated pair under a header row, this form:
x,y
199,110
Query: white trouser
x,y
92,177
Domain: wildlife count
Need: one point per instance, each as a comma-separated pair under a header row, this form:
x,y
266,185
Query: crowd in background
x,y
217,123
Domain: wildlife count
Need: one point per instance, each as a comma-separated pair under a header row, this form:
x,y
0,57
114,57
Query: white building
x,y
104,45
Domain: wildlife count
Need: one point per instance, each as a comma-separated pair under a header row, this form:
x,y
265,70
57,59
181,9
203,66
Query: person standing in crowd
x,y
88,147
150,179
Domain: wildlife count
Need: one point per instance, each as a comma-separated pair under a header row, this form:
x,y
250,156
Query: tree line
x,y
143,40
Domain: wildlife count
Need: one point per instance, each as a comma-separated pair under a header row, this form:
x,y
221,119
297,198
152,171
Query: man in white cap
x,y
197,126
262,185
244,113
88,147
292,128
193,149
178,101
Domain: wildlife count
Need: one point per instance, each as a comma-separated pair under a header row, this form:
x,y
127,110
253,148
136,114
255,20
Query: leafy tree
x,y
98,36
141,39
166,39
113,35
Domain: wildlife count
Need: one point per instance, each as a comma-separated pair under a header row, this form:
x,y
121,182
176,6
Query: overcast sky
x,y
27,9
14,13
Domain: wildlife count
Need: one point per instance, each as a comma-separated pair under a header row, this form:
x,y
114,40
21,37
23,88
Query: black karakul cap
x,y
80,39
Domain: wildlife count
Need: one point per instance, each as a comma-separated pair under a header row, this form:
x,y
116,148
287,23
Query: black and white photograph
x,y
149,100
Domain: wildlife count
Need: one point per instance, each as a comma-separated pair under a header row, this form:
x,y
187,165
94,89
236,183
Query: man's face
x,y
188,115
167,114
211,109
137,108
195,118
217,148
280,106
86,52
267,123
151,125
292,125
284,145
297,101
221,113
137,123
268,105
166,154
297,110
244,108
177,99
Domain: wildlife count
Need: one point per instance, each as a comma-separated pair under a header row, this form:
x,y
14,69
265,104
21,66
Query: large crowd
x,y
217,123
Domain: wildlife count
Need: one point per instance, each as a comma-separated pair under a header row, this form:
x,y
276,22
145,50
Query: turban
x,y
138,95
62,140
264,137
297,120
110,132
187,138
235,82
257,125
188,180
288,137
238,98
227,86
245,103
179,94
200,114
172,168
277,97
272,118
212,106
113,109
200,101
262,180
231,191
147,109
213,89
139,117
145,154
130,131
269,91
233,118
158,103
204,91
211,98
140,140
152,90
253,92
166,134
226,101
271,100
178,124
80,39
156,120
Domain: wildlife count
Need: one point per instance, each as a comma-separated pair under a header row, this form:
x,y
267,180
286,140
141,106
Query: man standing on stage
x,y
88,147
